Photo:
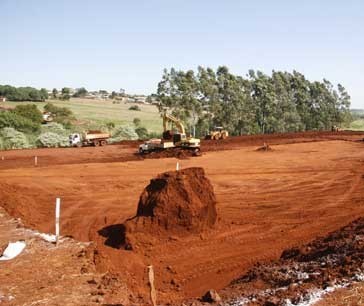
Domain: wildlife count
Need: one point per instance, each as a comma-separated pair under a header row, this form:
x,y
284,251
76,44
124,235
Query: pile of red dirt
x,y
174,203
329,262
174,152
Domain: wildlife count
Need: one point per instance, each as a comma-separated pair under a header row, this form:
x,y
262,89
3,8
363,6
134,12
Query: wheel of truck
x,y
103,143
216,137
196,152
96,143
141,151
79,145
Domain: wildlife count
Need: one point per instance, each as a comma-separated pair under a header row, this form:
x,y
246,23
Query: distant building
x,y
2,99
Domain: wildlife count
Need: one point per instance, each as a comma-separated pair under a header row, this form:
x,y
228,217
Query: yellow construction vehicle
x,y
217,133
171,139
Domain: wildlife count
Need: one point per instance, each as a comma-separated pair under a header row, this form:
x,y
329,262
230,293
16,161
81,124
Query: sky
x,y
113,44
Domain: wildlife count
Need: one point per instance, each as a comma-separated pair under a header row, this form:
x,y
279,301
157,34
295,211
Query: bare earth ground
x,y
309,185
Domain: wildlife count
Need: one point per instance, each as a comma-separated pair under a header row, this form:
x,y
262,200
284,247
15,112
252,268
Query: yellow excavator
x,y
171,139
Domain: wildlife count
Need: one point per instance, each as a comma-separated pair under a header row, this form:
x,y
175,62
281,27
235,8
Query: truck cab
x,y
75,140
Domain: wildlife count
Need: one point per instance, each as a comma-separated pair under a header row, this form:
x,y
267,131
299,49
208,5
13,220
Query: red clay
x,y
265,203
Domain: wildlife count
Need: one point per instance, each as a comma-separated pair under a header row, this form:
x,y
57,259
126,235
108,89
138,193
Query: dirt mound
x,y
175,152
329,262
265,148
177,203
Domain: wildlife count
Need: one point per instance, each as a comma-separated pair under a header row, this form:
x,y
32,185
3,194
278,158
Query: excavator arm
x,y
169,118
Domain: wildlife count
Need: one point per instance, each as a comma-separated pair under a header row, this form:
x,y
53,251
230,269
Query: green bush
x,y
29,111
13,139
62,115
52,140
137,122
134,108
56,128
142,132
123,132
20,123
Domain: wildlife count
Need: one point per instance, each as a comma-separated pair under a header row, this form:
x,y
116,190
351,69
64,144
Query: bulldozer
x,y
170,138
217,133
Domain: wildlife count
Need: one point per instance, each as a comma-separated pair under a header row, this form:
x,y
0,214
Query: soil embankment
x,y
265,203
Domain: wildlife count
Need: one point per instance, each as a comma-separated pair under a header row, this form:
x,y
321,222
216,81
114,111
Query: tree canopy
x,y
23,93
257,103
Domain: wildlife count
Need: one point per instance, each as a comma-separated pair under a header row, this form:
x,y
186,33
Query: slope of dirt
x,y
45,274
266,203
174,203
332,261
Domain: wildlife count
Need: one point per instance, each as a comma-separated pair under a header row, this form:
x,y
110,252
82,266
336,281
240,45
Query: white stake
x,y
35,160
153,293
58,212
177,166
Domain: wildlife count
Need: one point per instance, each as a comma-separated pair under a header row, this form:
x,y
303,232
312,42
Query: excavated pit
x,y
175,203
304,272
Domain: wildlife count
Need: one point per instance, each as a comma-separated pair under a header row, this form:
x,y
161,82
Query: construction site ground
x,y
306,186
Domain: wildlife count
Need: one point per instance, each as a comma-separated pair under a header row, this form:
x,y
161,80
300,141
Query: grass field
x,y
93,113
357,125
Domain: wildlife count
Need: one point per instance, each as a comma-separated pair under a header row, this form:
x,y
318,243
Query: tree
x,y
62,115
142,132
29,111
20,123
258,103
65,93
80,92
23,93
54,93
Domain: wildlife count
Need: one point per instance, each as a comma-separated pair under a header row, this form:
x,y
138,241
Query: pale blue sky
x,y
112,44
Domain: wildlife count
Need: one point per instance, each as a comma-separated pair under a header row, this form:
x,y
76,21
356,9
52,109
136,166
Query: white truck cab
x,y
75,140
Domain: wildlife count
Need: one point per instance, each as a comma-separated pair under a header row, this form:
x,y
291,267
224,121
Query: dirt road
x,y
266,201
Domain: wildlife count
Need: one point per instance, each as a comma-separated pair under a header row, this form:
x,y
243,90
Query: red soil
x,y
174,203
333,260
265,204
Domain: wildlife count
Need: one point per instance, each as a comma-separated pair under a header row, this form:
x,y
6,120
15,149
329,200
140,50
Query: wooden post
x,y
58,212
2,157
35,160
153,293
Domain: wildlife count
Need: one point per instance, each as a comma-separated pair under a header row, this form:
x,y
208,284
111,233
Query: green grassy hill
x,y
96,113
358,123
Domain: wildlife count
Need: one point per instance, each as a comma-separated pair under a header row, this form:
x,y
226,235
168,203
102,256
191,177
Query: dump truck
x,y
89,138
171,139
217,133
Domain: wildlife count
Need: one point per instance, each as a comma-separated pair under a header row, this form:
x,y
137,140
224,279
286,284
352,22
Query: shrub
x,y
142,132
20,123
13,139
52,140
54,127
29,111
123,132
62,115
110,125
134,108
137,122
